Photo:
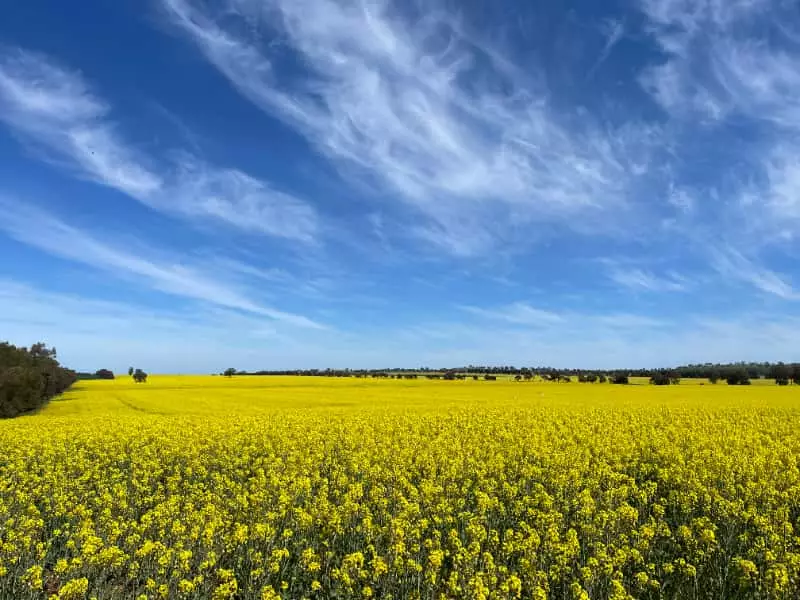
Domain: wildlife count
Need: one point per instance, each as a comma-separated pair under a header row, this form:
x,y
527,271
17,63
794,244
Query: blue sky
x,y
187,186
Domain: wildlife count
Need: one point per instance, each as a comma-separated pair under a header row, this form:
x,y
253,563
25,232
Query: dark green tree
x,y
737,376
794,373
781,373
29,377
620,378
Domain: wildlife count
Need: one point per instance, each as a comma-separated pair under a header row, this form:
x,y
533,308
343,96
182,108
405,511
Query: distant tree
x,y
104,374
139,376
664,377
714,376
130,371
229,372
602,378
781,373
737,376
794,373
490,377
620,379
660,378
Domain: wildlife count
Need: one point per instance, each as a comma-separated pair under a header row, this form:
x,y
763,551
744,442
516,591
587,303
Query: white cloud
x,y
90,333
24,305
622,321
238,199
731,67
611,342
614,31
518,313
403,102
638,279
54,108
782,170
683,200
45,232
720,63
559,323
732,264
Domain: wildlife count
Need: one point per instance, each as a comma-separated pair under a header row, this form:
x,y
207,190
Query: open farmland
x,y
293,487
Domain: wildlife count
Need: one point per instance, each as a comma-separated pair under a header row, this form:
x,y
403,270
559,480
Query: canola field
x,y
290,487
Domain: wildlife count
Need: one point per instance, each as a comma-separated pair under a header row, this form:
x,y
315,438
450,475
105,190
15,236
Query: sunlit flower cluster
x,y
495,497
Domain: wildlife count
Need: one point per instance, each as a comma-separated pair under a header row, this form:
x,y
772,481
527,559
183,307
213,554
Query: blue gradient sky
x,y
188,186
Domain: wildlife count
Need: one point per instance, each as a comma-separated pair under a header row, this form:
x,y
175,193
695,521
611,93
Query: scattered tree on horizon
x,y
665,377
620,379
781,373
130,371
738,376
139,376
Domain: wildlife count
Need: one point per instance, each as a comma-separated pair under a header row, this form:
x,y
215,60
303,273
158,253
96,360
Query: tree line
x,y
29,377
137,375
740,373
99,374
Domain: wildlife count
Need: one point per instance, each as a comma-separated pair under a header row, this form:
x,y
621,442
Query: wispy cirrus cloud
x,y
638,279
30,306
613,31
403,102
518,313
616,341
42,230
732,264
197,338
779,187
728,82
521,313
54,108
720,62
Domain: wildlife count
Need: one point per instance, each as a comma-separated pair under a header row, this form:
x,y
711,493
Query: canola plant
x,y
292,488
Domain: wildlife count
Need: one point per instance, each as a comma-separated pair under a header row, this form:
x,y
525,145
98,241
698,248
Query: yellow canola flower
x,y
74,589
282,487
